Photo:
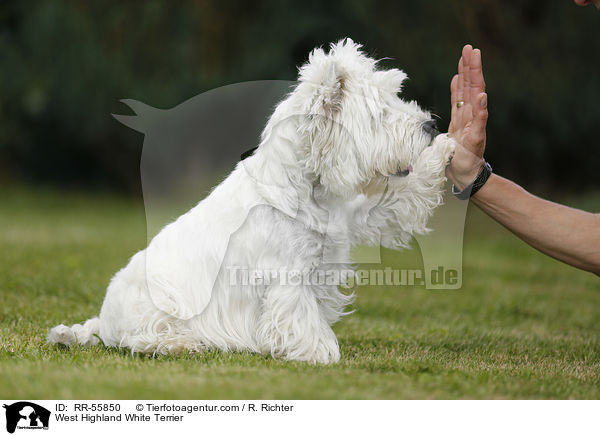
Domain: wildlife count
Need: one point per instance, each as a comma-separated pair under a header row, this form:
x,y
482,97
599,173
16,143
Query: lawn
x,y
522,326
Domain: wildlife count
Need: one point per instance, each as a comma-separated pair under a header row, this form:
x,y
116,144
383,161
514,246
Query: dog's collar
x,y
248,153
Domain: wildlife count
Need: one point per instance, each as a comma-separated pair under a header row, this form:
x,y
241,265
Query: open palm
x,y
469,118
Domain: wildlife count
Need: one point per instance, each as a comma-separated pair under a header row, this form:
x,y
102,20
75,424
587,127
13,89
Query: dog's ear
x,y
324,85
324,78
390,80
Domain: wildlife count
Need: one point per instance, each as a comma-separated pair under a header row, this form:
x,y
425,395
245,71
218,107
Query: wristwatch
x,y
472,189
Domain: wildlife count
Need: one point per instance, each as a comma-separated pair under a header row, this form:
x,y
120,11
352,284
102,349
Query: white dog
x,y
342,161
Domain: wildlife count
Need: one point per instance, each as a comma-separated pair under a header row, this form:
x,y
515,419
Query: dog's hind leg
x,y
291,326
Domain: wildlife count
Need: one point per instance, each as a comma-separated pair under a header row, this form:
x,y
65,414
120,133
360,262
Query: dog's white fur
x,y
321,181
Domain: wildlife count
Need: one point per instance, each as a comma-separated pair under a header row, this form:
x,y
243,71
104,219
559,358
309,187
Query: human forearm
x,y
567,234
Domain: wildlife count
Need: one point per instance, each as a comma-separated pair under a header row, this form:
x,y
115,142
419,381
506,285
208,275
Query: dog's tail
x,y
86,334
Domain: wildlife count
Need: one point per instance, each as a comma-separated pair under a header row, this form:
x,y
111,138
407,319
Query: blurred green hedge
x,y
64,65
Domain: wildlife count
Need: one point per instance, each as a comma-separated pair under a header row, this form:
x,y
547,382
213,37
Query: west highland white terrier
x,y
342,161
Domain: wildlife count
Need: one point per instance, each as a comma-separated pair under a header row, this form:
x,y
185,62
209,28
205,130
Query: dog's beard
x,y
375,186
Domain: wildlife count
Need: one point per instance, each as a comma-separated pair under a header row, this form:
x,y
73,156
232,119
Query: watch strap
x,y
479,181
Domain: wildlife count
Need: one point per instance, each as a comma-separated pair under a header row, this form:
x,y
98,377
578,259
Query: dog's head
x,y
355,126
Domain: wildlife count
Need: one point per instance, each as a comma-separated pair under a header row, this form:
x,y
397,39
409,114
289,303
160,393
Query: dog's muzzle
x,y
431,129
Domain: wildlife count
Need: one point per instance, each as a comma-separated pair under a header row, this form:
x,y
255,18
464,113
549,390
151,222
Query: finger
x,y
453,89
453,95
460,97
466,56
476,75
480,117
461,81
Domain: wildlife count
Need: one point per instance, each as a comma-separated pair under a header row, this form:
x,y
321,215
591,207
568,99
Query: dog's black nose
x,y
430,127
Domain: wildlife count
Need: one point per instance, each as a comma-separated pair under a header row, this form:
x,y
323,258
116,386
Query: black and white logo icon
x,y
26,415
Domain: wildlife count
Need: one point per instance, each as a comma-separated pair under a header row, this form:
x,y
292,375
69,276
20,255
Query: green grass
x,y
523,325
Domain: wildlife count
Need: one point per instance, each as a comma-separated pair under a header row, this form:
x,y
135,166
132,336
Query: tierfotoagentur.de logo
x,y
26,415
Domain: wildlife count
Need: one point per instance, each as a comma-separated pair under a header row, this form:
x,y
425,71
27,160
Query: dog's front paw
x,y
432,162
445,146
328,350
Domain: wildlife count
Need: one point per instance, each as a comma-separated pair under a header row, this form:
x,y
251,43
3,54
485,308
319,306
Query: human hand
x,y
468,122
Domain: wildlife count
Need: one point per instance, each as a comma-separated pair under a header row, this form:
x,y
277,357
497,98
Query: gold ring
x,y
460,104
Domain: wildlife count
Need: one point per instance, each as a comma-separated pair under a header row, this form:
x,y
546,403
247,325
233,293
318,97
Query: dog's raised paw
x,y
447,145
